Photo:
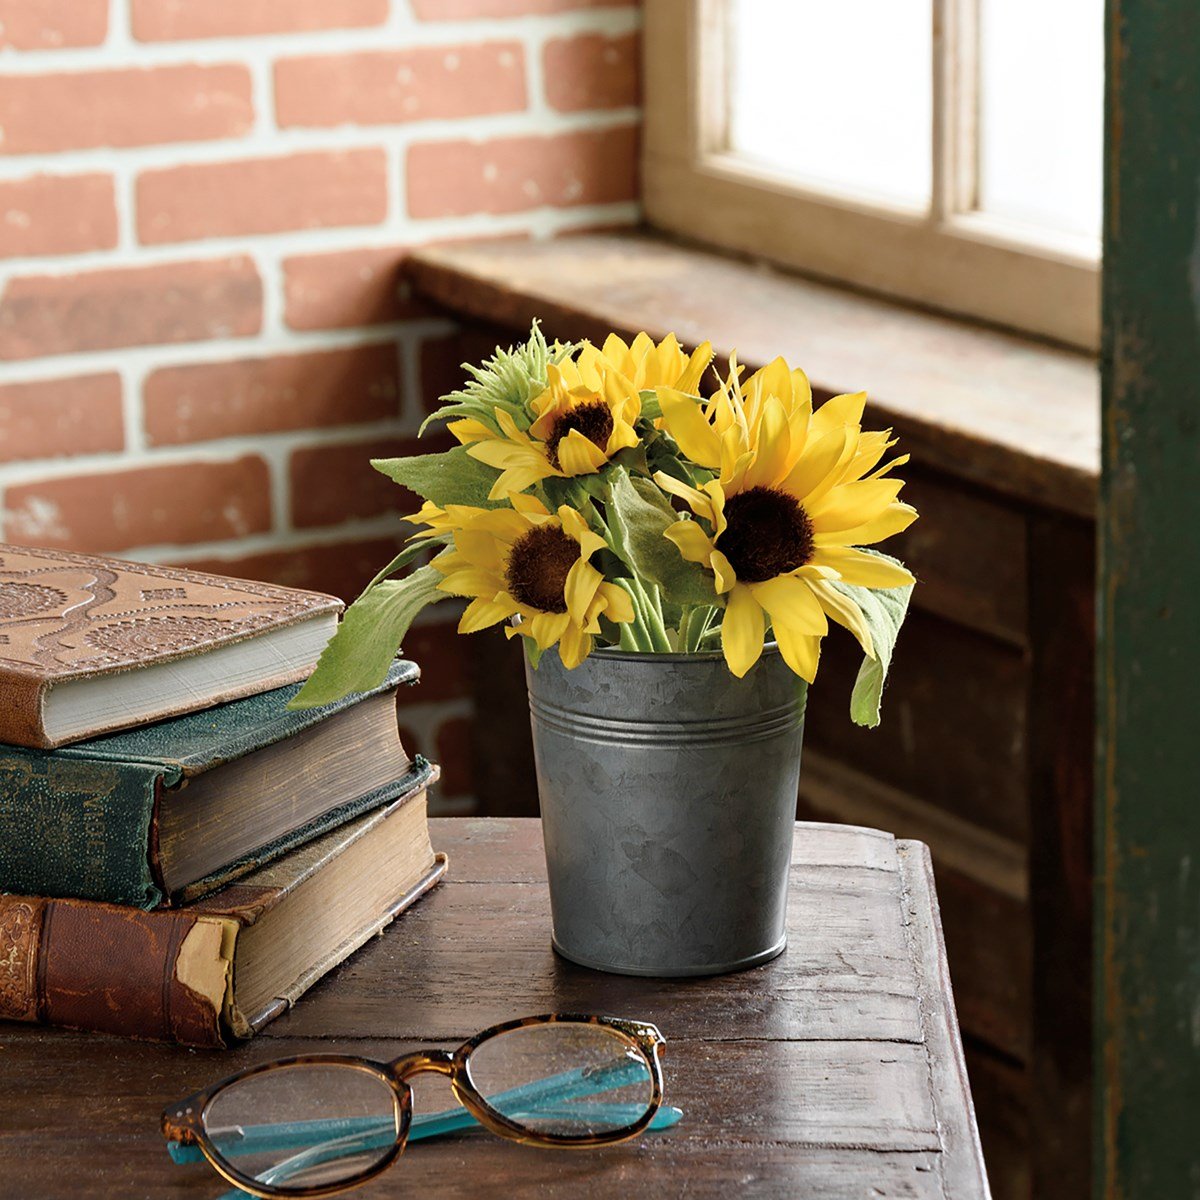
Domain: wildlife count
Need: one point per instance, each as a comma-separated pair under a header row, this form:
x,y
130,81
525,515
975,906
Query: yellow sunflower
x,y
796,492
585,415
648,366
525,561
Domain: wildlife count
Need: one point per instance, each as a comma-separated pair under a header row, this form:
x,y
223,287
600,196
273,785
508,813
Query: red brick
x,y
262,195
384,87
592,71
344,289
52,24
129,306
53,418
441,369
332,484
441,651
454,756
186,502
265,395
463,10
172,20
132,107
448,179
341,569
57,214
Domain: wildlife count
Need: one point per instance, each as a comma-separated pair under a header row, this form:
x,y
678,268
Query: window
x,y
947,152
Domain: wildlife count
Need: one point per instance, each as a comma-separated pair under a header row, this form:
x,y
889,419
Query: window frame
x,y
951,259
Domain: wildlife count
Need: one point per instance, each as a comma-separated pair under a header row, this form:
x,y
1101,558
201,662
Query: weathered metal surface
x,y
834,1072
668,796
1147,815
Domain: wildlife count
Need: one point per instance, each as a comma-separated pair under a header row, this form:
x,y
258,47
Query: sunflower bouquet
x,y
600,496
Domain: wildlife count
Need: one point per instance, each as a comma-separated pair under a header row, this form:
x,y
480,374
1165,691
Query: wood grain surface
x,y
834,1071
997,409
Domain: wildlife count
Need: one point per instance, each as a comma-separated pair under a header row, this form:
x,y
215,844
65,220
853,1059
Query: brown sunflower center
x,y
537,568
767,533
593,419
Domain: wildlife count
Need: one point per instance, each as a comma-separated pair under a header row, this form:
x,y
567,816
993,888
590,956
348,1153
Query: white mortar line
x,y
403,32
334,139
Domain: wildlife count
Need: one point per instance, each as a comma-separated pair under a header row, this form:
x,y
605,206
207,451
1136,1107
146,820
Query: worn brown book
x,y
223,967
89,645
166,813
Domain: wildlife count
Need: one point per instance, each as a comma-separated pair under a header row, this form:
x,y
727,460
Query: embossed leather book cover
x,y
71,619
221,968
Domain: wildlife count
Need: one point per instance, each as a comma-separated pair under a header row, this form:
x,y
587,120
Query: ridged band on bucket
x,y
668,791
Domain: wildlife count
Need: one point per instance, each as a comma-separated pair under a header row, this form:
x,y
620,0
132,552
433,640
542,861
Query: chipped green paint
x,y
1148,779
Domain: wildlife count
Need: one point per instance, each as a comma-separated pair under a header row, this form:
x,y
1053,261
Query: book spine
x,y
21,698
77,827
155,976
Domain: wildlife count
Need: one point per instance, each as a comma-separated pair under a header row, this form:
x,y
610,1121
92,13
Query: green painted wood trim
x,y
1147,1000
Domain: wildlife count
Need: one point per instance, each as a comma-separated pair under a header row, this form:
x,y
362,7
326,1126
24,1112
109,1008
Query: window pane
x,y
836,95
1042,112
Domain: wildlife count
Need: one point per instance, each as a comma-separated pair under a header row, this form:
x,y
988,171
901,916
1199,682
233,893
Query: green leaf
x,y
453,477
410,552
884,610
638,516
651,408
359,653
508,380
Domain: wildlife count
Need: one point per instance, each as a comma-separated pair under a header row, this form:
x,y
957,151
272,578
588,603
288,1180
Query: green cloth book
x,y
166,813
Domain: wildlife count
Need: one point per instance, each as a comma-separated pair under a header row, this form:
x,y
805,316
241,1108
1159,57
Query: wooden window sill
x,y
1012,414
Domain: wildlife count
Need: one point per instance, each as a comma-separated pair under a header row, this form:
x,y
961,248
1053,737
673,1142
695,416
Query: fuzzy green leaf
x,y
638,516
507,380
884,610
453,477
359,653
410,552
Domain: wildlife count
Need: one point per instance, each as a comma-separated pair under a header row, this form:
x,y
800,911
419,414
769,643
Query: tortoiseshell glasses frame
x,y
184,1123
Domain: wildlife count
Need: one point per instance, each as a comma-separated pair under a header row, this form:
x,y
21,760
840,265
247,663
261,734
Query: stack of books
x,y
181,856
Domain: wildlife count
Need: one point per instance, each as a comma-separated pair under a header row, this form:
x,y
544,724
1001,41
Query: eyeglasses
x,y
317,1124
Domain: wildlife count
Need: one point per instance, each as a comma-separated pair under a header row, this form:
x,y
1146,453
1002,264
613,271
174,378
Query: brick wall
x,y
204,208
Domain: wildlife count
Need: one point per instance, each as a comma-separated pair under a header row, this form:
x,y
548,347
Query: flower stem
x,y
637,631
652,612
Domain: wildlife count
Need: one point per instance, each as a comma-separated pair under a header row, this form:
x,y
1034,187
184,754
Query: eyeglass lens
x,y
565,1079
303,1125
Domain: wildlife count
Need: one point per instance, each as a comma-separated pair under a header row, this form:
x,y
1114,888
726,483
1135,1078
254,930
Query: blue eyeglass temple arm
x,y
358,1134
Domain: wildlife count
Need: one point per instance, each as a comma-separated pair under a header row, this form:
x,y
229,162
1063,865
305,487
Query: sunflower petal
x,y
547,628
686,424
574,646
801,651
742,630
579,589
851,504
862,569
578,455
791,602
694,544
817,464
894,519
481,613
773,447
693,497
697,364
618,603
470,430
846,613
840,410
723,570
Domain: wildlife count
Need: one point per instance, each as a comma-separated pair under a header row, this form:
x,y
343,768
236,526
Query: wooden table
x,y
834,1071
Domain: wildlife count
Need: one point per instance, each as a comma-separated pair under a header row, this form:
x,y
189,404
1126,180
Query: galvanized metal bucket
x,y
668,796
